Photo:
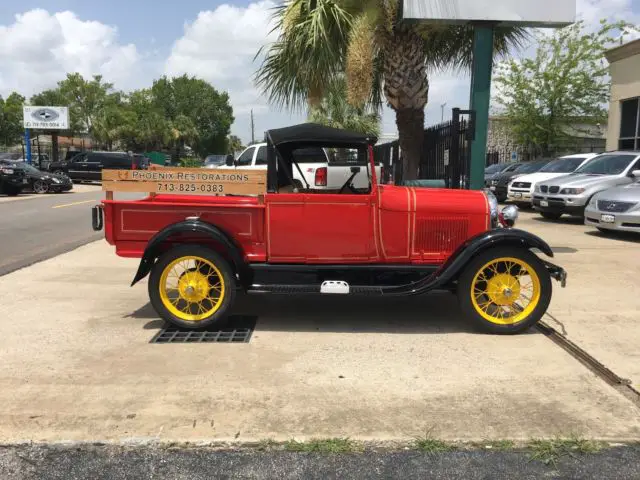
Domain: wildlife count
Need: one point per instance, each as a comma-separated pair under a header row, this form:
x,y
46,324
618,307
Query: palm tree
x,y
381,55
335,111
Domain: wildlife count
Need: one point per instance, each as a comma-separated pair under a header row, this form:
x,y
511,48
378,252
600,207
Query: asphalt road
x,y
139,463
34,229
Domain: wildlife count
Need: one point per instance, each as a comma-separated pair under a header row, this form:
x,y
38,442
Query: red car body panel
x,y
392,224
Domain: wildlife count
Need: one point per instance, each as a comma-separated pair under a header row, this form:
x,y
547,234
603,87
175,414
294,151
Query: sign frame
x,y
543,13
186,181
45,117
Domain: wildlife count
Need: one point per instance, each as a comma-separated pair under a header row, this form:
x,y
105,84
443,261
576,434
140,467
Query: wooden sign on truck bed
x,y
186,181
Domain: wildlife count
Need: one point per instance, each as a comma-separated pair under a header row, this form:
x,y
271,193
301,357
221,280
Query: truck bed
x,y
129,224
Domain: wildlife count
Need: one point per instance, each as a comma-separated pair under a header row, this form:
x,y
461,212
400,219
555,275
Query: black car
x,y
499,183
12,180
88,166
38,181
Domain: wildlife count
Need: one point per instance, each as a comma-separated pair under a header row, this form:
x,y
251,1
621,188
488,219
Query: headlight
x,y
537,188
493,206
509,215
55,180
7,171
572,191
593,201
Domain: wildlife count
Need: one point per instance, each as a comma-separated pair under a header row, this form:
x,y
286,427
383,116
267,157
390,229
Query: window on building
x,y
629,125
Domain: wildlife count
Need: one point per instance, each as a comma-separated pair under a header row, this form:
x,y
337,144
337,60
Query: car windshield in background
x,y
563,165
529,167
19,166
215,160
496,167
607,165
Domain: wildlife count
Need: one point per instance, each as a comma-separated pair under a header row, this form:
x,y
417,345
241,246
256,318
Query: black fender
x,y
512,237
154,247
459,259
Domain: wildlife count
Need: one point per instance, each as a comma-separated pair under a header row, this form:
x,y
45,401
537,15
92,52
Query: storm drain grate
x,y
238,330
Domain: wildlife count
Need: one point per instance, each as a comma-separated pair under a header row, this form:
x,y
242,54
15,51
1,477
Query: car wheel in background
x,y
551,215
40,187
59,172
192,287
12,191
505,290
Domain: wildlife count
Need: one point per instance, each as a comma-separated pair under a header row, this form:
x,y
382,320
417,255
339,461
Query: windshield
x,y
563,165
19,166
529,167
607,165
215,160
493,168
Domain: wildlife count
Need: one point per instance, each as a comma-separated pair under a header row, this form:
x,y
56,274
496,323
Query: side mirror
x,y
230,161
635,173
355,169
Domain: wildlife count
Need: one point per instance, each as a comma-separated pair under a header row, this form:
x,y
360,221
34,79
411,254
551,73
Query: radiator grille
x,y
617,207
441,234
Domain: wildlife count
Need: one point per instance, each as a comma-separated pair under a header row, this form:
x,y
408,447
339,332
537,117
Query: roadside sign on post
x,y
46,118
514,156
542,13
484,16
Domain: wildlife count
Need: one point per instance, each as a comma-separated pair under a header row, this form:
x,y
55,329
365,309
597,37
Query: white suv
x,y
521,189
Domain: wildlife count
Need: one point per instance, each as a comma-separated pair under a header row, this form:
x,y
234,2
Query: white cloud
x,y
220,46
39,48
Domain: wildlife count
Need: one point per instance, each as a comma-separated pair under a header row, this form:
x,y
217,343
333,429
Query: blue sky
x,y
130,42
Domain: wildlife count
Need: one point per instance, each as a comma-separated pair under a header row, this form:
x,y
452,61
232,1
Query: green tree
x,y
234,144
566,83
85,98
145,126
209,110
11,119
321,39
335,111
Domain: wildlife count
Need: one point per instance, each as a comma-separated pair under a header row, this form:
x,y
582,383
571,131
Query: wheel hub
x,y
503,289
193,287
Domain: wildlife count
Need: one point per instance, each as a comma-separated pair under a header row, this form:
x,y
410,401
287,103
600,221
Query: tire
x,y
59,172
12,191
40,187
183,312
551,215
470,282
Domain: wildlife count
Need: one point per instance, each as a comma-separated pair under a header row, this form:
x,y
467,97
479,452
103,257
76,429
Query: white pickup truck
x,y
320,171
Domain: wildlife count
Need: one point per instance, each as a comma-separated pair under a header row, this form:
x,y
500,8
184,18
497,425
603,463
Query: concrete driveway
x,y
77,363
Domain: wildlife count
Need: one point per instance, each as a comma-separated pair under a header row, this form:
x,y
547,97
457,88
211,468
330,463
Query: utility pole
x,y
253,130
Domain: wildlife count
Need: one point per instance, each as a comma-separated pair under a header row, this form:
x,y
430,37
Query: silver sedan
x,y
615,209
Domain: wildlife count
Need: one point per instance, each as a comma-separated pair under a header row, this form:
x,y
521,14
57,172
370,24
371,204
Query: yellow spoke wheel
x,y
505,289
192,286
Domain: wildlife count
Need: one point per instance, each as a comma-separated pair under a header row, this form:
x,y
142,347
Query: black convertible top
x,y
318,134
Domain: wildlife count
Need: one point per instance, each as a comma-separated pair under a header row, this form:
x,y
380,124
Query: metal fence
x,y
445,153
518,153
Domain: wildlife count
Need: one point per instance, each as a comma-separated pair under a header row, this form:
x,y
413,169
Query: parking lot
x,y
78,365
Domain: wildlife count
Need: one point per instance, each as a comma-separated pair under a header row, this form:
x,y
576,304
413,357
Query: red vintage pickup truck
x,y
380,240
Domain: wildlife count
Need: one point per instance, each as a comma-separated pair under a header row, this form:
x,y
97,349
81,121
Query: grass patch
x,y
550,451
328,445
429,444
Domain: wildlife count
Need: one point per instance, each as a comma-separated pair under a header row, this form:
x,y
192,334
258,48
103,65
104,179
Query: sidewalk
x,y
77,366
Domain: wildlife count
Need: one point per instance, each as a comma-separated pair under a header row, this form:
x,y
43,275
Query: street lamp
x,y
442,111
